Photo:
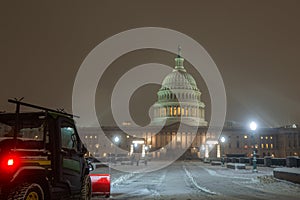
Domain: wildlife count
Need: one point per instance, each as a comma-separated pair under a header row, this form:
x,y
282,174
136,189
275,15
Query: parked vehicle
x,y
41,156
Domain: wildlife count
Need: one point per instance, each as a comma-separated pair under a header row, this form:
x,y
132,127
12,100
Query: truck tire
x,y
86,188
27,191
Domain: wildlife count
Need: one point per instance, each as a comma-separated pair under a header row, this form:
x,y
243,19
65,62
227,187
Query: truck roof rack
x,y
19,102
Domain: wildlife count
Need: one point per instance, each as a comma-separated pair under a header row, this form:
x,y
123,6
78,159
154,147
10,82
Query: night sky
x,y
255,45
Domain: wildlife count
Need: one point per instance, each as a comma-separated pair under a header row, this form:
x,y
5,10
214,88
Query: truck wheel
x,y
86,188
27,191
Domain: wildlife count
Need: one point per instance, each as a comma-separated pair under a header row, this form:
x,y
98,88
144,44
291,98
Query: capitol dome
x,y
179,79
179,98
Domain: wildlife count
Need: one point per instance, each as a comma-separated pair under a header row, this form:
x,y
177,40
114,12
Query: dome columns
x,y
179,111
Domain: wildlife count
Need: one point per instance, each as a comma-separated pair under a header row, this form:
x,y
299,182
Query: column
x,y
218,151
173,142
206,151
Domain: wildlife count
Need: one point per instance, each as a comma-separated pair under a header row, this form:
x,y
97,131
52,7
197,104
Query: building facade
x,y
182,113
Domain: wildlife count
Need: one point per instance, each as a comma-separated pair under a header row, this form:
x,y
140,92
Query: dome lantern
x,y
179,61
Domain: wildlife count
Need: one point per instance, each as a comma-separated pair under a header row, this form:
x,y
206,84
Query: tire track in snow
x,y
191,178
121,179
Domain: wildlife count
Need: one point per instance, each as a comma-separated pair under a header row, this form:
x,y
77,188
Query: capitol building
x,y
179,99
181,114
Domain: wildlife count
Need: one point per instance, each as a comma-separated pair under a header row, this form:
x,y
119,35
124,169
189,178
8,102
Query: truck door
x,y
70,152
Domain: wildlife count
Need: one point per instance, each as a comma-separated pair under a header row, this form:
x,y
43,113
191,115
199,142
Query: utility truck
x,y
41,156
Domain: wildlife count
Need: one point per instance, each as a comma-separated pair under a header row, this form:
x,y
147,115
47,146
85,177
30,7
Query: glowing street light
x,y
223,139
253,127
222,148
116,139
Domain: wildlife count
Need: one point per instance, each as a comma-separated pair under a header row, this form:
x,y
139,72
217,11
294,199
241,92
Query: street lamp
x,y
253,127
146,154
97,149
222,150
116,140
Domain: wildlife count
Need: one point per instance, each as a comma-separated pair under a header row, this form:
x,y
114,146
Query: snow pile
x,y
288,170
266,179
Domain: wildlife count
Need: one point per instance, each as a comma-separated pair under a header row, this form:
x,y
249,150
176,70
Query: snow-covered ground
x,y
196,180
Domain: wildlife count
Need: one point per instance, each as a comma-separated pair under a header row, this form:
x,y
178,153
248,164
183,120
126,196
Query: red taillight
x,y
10,162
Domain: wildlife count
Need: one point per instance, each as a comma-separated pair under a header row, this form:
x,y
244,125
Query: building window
x,y
237,144
271,137
261,137
262,146
267,146
271,146
266,137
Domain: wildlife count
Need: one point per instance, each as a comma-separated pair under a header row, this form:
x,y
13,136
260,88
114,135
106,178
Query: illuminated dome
x,y
179,98
179,79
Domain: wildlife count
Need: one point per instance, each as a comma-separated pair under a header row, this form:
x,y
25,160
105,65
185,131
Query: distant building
x,y
179,105
276,142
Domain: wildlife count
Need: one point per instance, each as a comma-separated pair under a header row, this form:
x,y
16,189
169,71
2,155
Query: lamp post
x,y
116,140
253,127
97,149
222,150
146,154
